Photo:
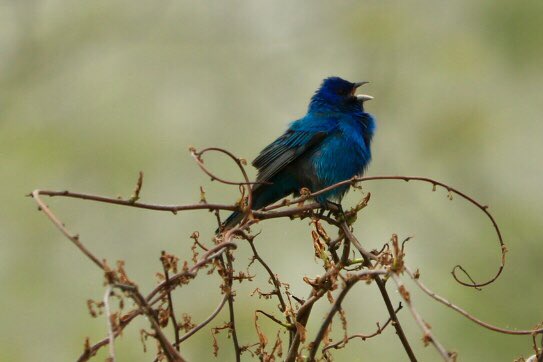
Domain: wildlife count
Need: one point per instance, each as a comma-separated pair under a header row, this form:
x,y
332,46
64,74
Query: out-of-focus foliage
x,y
92,92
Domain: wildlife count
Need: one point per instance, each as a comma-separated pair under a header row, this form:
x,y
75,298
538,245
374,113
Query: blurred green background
x,y
92,92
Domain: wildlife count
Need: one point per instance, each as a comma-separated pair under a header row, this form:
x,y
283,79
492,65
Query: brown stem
x,y
175,325
74,238
434,183
275,282
379,330
275,319
228,278
367,256
247,185
454,307
205,322
171,354
208,257
428,336
395,321
139,205
337,306
302,316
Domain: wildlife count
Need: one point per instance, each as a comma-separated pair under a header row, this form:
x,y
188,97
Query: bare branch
x,y
301,321
337,306
229,281
428,336
276,284
434,183
367,257
110,333
444,301
379,330
74,238
171,309
139,205
205,322
146,309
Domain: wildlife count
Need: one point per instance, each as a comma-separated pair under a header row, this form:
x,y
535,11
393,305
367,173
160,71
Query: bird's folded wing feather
x,y
284,150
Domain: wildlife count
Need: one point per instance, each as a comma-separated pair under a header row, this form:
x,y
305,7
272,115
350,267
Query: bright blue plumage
x,y
331,143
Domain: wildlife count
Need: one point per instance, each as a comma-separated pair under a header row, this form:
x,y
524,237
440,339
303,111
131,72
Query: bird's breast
x,y
344,154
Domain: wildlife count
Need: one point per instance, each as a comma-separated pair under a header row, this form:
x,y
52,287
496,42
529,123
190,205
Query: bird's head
x,y
340,94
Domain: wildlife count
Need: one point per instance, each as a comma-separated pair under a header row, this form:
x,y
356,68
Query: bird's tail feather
x,y
260,199
230,221
263,195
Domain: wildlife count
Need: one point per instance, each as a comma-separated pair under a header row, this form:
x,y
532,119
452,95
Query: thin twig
x,y
428,336
139,205
175,325
198,157
454,307
208,257
206,321
110,332
483,208
229,285
302,317
395,321
247,185
367,256
74,238
276,320
380,329
434,183
91,350
337,306
161,290
276,284
169,350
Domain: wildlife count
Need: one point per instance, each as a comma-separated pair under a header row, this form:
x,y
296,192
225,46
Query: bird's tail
x,y
263,195
230,221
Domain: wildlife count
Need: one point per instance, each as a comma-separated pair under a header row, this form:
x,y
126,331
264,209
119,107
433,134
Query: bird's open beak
x,y
358,84
362,97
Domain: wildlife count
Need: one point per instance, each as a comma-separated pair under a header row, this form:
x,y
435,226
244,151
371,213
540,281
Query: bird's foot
x,y
321,212
334,209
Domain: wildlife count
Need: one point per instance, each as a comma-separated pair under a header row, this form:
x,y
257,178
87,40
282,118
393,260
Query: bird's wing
x,y
280,153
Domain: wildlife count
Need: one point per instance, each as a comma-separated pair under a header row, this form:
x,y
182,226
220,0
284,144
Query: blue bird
x,y
331,143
